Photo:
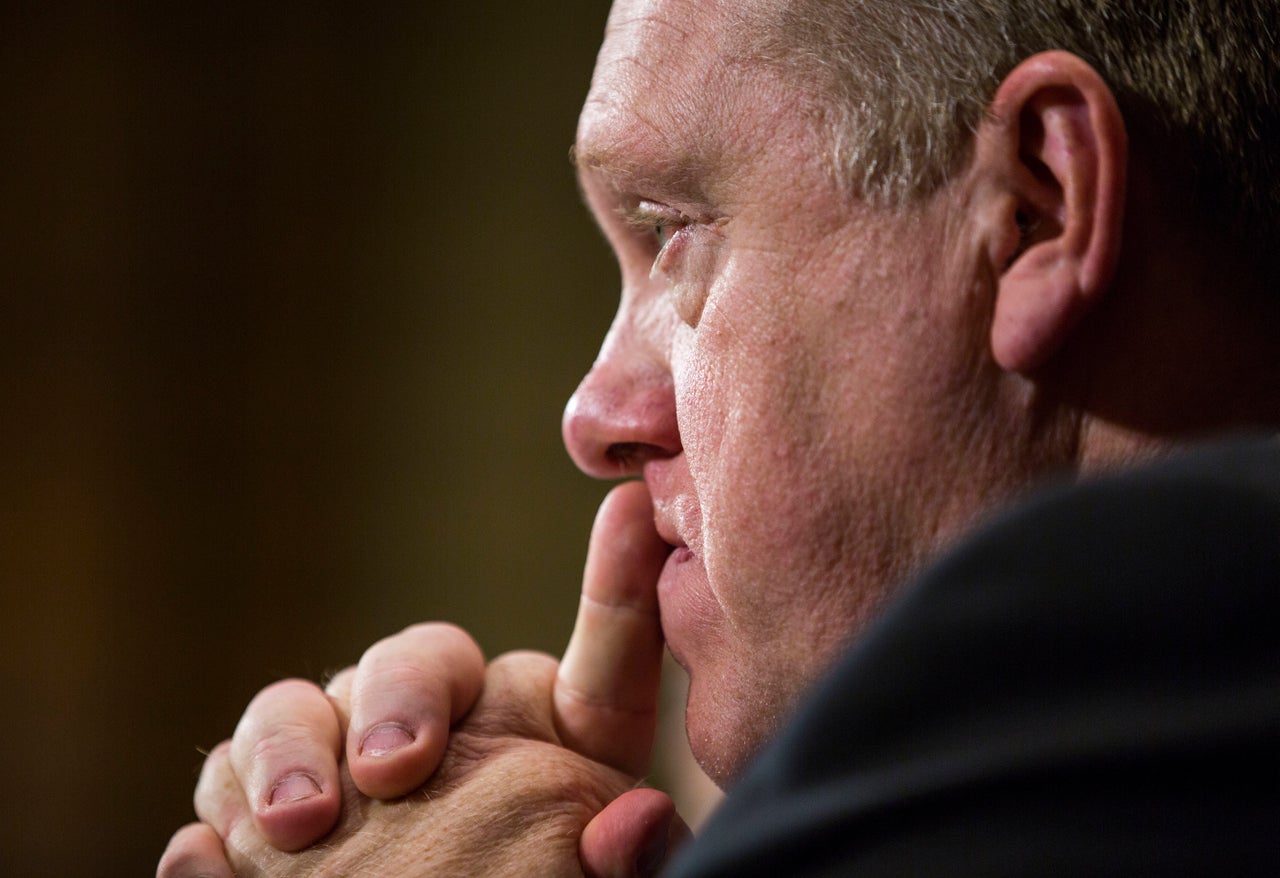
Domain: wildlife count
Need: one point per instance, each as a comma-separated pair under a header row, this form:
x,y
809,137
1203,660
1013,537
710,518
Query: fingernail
x,y
293,788
654,853
385,739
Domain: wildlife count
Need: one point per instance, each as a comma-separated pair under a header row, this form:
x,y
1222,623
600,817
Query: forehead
x,y
667,87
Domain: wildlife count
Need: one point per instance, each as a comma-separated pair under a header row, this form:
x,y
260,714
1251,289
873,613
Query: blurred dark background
x,y
291,298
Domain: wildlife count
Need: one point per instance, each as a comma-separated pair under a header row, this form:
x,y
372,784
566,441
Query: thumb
x,y
635,836
606,691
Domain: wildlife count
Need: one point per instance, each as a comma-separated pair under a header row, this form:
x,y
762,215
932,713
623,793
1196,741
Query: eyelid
x,y
647,215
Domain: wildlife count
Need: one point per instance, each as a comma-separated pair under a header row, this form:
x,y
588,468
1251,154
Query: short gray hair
x,y
909,81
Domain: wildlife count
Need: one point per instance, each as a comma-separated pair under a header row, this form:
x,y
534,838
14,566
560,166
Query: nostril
x,y
620,419
628,455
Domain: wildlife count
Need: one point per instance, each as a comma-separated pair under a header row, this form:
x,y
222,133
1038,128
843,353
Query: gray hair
x,y
908,82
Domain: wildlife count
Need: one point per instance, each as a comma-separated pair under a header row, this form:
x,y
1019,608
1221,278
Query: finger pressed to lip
x,y
607,688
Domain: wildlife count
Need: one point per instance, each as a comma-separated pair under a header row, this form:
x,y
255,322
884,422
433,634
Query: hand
x,y
603,706
393,709
506,800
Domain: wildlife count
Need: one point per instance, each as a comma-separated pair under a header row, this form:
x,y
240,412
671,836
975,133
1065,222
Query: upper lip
x,y
666,528
672,525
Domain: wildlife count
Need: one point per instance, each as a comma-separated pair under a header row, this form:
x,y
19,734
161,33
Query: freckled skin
x,y
810,376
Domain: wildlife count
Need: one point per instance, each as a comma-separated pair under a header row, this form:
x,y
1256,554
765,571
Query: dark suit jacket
x,y
1089,685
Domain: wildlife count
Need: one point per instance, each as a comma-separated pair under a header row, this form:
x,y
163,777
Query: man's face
x,y
801,380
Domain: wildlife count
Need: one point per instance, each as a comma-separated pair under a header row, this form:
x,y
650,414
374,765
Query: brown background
x,y
291,297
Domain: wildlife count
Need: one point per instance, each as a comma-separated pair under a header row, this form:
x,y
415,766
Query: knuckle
x,y
438,638
279,698
291,737
216,763
433,629
181,857
398,678
330,679
284,689
427,661
339,684
517,695
221,752
284,713
524,660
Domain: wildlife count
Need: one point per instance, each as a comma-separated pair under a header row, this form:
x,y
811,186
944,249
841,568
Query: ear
x,y
1052,156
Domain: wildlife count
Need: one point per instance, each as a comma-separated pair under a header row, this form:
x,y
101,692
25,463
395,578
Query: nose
x,y
622,415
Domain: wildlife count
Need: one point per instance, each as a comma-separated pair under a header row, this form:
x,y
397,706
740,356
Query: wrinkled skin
x,y
803,381
507,795
539,775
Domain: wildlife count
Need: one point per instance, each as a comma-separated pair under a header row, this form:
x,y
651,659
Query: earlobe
x,y
1053,153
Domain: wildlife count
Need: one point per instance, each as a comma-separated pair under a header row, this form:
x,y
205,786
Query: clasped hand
x,y
422,760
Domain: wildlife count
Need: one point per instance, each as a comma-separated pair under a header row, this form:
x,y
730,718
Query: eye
x,y
684,250
657,222
664,226
663,231
665,235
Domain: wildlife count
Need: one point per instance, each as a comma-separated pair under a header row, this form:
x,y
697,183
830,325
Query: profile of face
x,y
802,380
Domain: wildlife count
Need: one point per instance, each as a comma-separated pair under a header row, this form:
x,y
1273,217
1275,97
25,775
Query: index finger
x,y
606,691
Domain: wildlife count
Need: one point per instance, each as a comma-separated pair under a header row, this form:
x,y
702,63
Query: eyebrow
x,y
680,178
608,161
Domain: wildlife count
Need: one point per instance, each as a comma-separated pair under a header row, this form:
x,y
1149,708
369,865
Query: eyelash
x,y
662,233
684,251
661,226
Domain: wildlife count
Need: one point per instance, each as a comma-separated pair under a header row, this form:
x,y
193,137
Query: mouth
x,y
681,554
677,522
678,589
676,512
681,583
683,589
670,534
667,530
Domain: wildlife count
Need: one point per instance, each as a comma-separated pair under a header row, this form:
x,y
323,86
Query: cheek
x,y
752,437
797,440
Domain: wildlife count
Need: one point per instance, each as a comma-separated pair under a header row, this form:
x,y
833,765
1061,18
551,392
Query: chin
x,y
726,732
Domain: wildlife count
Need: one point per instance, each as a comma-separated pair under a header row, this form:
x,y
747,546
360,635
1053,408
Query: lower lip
x,y
681,589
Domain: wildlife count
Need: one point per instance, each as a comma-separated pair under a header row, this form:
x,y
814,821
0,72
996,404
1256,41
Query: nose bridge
x,y
623,412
